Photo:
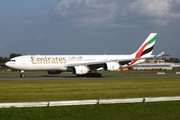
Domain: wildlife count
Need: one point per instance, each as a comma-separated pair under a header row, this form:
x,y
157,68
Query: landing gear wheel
x,y
94,75
22,75
79,75
91,75
99,75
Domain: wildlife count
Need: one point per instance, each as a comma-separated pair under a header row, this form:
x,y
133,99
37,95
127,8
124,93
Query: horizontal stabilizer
x,y
163,54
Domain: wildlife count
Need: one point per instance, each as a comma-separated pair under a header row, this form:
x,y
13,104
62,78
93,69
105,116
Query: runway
x,y
73,77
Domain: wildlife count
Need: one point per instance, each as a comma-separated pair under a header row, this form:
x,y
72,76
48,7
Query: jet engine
x,y
111,66
80,70
54,71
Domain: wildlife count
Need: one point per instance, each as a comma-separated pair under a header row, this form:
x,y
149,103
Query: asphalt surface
x,y
70,77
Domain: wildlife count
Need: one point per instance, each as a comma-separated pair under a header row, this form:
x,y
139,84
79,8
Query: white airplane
x,y
84,65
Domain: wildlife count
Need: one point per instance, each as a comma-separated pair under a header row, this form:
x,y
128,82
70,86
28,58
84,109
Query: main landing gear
x,y
91,75
22,73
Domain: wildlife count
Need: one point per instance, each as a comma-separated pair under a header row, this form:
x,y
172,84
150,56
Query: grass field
x,y
53,90
74,89
137,111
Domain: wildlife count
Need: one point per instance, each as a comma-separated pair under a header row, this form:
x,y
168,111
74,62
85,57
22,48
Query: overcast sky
x,y
87,26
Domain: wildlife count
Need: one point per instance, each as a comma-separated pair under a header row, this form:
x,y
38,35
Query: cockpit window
x,y
12,60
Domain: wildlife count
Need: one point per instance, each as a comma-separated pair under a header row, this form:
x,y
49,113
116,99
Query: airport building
x,y
156,65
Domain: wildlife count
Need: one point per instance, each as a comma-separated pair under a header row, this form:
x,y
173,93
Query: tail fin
x,y
146,48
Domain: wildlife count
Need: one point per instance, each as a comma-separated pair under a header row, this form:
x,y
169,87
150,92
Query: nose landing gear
x,y
22,73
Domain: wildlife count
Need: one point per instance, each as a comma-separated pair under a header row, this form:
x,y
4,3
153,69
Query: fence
x,y
89,102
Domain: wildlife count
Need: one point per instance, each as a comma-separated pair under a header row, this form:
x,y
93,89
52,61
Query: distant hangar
x,y
156,65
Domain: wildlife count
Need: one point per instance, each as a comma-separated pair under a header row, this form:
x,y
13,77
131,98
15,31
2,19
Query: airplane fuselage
x,y
59,62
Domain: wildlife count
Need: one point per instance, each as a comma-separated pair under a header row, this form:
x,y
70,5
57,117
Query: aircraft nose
x,y
10,63
7,64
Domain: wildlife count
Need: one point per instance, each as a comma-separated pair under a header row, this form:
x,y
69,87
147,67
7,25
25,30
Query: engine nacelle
x,y
80,70
111,66
54,71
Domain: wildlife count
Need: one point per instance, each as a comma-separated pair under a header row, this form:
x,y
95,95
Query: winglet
x,y
160,54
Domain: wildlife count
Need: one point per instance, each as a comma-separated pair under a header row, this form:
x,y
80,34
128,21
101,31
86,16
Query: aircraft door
x,y
24,62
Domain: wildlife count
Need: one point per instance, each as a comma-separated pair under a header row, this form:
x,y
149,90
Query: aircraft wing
x,y
98,64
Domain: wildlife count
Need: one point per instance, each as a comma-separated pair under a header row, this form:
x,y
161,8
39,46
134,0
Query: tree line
x,y
173,60
5,59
